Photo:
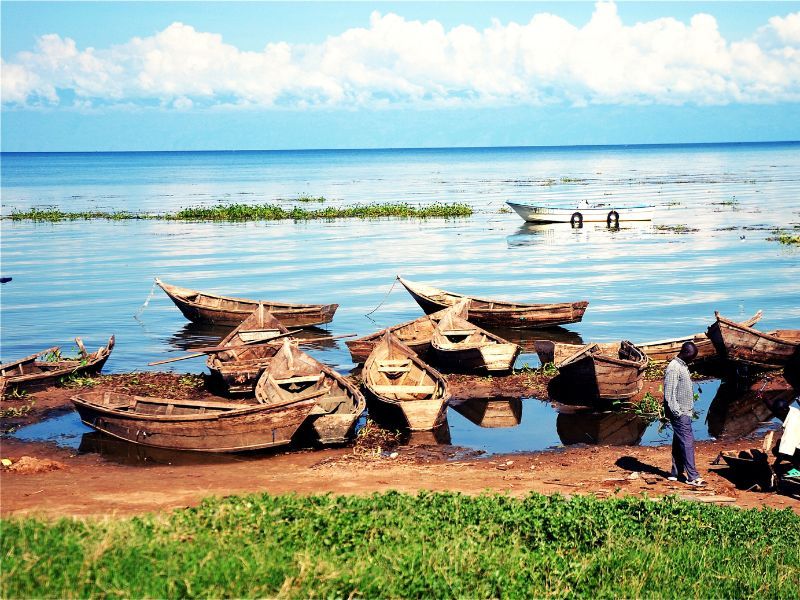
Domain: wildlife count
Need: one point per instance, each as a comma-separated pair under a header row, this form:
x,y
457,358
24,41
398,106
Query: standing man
x,y
678,406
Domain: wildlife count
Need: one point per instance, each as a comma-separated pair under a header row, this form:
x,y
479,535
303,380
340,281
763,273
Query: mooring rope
x,y
152,293
384,299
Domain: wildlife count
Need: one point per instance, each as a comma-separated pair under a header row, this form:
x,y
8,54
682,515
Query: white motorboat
x,y
611,214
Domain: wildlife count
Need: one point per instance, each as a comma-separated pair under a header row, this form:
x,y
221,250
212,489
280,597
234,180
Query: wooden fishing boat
x,y
751,467
663,350
492,413
199,425
401,388
211,308
294,374
461,346
415,334
236,371
601,371
610,214
744,344
46,368
499,313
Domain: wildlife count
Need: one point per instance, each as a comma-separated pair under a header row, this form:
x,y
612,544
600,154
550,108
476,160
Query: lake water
x,y
90,278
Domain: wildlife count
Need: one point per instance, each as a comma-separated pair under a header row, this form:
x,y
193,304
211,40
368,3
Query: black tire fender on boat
x,y
576,220
612,220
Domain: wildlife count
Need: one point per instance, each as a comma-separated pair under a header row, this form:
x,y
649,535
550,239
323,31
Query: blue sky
x,y
182,75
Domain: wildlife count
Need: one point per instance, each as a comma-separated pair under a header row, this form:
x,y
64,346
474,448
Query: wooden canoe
x,y
603,371
401,388
415,334
499,313
236,371
491,413
294,374
664,350
199,425
35,372
211,308
743,344
461,346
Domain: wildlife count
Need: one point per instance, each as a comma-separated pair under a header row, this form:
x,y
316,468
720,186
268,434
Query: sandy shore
x,y
56,482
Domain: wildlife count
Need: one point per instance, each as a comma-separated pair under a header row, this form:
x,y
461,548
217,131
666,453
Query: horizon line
x,y
414,148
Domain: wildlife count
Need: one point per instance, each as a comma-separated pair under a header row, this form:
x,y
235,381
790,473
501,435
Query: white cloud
x,y
400,62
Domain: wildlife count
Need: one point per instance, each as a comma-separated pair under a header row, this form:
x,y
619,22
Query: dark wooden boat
x,y
294,374
461,346
751,467
740,408
199,425
744,344
46,368
401,388
492,413
664,350
236,371
499,313
211,308
602,371
415,334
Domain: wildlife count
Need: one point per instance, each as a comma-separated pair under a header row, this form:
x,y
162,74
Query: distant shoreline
x,y
431,149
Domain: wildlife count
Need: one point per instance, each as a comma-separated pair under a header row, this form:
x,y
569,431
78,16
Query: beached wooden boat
x,y
46,368
663,350
199,425
415,334
743,344
461,346
610,214
211,308
491,413
294,374
236,371
402,389
499,313
601,371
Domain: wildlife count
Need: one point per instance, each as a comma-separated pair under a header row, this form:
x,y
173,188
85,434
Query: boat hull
x,y
752,347
491,358
544,214
522,316
222,310
416,415
261,427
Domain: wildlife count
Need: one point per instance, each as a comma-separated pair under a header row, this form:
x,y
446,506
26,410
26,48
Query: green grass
x,y
395,545
258,212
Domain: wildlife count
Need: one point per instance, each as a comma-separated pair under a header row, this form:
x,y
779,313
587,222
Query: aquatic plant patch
x,y
256,212
395,545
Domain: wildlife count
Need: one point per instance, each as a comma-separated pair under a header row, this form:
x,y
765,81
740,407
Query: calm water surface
x,y
644,282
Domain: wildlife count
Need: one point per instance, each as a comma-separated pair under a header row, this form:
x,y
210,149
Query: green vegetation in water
x,y
731,202
546,370
259,212
649,407
570,180
785,238
440,545
77,381
308,198
14,412
675,228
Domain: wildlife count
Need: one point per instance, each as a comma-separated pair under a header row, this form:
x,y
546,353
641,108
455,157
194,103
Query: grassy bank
x,y
395,545
255,212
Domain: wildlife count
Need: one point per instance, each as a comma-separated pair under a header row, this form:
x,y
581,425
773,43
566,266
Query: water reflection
x,y
196,335
741,408
532,234
603,428
526,338
492,413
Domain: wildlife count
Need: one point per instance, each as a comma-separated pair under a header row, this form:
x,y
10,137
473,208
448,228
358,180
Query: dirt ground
x,y
55,482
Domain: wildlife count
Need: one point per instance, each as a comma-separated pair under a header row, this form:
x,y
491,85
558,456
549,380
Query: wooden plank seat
x,y
458,331
394,366
404,389
300,379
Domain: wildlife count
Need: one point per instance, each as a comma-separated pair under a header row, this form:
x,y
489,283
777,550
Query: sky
x,y
116,76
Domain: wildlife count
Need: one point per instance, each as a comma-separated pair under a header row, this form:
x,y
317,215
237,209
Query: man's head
x,y
688,352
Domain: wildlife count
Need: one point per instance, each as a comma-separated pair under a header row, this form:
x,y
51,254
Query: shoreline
x,y
58,481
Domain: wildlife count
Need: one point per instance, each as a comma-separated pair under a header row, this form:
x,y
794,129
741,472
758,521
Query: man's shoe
x,y
671,478
696,482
